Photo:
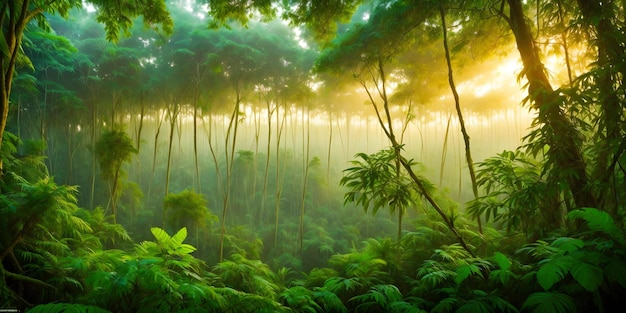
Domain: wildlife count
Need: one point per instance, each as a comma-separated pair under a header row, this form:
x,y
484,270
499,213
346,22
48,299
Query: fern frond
x,y
599,221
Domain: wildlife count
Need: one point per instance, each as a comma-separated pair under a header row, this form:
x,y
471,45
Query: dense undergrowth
x,y
57,257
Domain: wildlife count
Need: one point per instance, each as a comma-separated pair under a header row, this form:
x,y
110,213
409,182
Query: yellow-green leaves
x,y
173,244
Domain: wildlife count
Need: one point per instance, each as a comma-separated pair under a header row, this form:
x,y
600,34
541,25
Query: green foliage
x,y
374,182
599,221
119,18
550,302
169,245
380,298
66,308
570,270
187,208
517,194
160,275
113,149
251,276
299,299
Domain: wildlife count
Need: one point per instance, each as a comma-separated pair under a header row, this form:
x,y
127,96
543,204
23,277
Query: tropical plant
x,y
384,298
113,149
250,276
518,195
584,271
40,225
375,181
159,275
188,209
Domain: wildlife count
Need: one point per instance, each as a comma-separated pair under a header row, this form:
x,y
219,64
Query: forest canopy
x,y
312,156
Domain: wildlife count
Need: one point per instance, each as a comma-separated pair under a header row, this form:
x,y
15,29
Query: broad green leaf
x,y
599,221
463,272
160,235
568,244
587,275
502,261
553,271
185,249
179,237
549,302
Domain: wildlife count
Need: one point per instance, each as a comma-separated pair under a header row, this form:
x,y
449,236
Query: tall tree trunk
x,y
160,118
280,125
233,126
406,164
270,112
610,74
330,143
457,105
18,18
173,117
195,139
560,134
114,189
307,142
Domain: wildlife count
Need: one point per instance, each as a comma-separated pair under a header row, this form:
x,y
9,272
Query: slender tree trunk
x,y
94,121
406,164
457,103
257,135
270,112
218,172
195,138
160,118
233,126
279,182
330,143
306,141
114,189
173,116
142,114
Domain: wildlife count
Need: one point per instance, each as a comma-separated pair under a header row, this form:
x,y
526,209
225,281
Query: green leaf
x,y
160,235
568,244
4,48
503,262
549,302
599,221
587,275
179,237
553,271
185,249
462,272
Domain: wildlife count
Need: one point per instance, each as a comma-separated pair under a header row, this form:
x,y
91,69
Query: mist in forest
x,y
287,124
387,153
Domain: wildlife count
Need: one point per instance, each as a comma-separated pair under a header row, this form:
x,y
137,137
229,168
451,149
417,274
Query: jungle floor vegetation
x,y
57,257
